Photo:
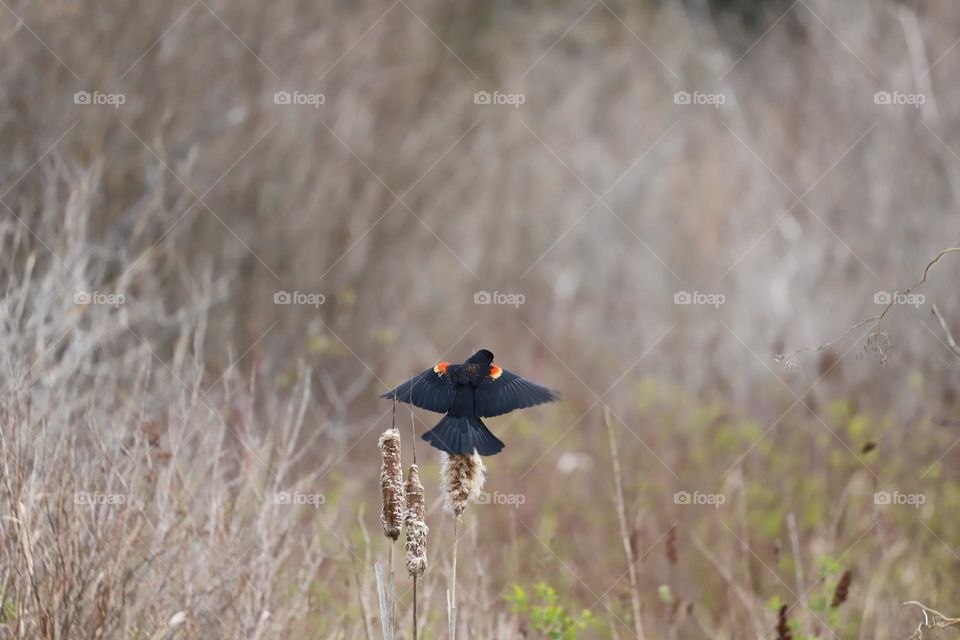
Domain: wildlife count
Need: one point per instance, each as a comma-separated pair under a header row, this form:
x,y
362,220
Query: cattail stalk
x,y
624,532
461,480
391,518
416,578
416,531
391,483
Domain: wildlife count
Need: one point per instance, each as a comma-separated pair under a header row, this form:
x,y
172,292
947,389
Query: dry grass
x,y
138,493
196,461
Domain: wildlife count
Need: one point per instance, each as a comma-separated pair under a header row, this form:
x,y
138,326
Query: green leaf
x,y
665,594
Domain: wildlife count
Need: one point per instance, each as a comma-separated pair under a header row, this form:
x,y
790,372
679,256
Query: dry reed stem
x,y
799,574
391,518
451,613
416,531
385,623
672,554
461,480
624,533
392,594
416,517
745,597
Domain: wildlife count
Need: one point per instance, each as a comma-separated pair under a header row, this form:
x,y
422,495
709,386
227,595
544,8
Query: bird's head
x,y
482,357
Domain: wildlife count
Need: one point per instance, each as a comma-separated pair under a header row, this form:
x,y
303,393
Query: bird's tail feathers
x,y
462,435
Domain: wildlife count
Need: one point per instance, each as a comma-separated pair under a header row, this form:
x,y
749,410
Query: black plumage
x,y
467,392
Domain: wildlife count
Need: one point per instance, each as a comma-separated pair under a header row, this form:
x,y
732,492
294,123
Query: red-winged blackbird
x,y
467,392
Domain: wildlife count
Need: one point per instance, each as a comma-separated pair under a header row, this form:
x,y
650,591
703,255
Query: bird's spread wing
x,y
431,390
502,392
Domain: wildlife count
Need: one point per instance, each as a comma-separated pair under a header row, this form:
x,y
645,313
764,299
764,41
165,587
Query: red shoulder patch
x,y
495,372
441,368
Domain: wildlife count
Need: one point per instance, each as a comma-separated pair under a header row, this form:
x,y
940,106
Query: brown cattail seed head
x,y
461,480
414,522
783,624
672,554
842,590
391,484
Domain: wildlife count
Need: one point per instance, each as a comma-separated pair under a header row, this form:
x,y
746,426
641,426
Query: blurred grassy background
x,y
597,199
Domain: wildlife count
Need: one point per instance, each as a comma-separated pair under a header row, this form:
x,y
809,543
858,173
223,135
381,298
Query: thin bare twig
x,y
781,357
932,619
749,603
624,532
413,431
951,342
797,558
452,591
413,445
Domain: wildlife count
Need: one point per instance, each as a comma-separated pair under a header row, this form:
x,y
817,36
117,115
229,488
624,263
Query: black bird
x,y
467,392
